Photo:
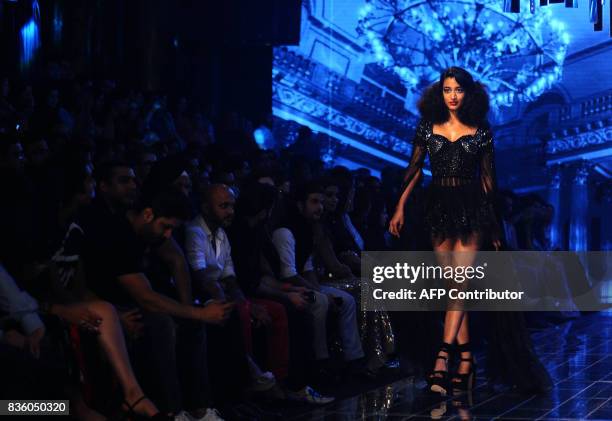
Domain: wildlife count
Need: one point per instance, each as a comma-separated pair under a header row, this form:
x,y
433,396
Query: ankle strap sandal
x,y
465,381
438,379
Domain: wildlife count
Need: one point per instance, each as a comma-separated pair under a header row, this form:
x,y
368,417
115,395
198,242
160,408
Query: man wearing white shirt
x,y
208,252
294,242
209,255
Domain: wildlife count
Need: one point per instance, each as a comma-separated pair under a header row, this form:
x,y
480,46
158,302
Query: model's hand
x,y
397,222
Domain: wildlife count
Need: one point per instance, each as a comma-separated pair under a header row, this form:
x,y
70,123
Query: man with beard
x,y
256,264
293,240
116,193
209,253
168,337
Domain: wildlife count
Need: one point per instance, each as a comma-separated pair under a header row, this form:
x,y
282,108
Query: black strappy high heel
x,y
132,415
438,379
465,381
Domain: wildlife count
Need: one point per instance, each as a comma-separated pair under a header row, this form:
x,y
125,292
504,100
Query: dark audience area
x,y
156,262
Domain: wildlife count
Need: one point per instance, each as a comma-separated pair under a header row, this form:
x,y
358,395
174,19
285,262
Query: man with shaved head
x,y
209,254
212,265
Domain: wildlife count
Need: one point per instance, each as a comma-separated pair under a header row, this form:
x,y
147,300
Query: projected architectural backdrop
x,y
360,66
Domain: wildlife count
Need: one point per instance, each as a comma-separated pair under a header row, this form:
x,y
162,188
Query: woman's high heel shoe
x,y
130,412
465,381
438,379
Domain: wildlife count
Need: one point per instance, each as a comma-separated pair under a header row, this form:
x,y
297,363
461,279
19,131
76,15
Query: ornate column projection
x,y
596,14
579,200
513,6
555,230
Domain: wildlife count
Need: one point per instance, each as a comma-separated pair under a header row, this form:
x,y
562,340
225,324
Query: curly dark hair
x,y
475,106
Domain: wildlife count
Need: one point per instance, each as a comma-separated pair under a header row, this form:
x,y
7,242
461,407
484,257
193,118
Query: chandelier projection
x,y
516,55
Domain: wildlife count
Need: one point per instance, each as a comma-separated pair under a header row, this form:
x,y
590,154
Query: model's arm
x,y
488,181
412,177
414,171
487,164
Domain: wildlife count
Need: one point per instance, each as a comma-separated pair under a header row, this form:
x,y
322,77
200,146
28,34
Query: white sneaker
x,y
183,416
211,415
264,382
309,395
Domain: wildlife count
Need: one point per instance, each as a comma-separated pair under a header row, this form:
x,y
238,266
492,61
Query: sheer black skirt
x,y
457,208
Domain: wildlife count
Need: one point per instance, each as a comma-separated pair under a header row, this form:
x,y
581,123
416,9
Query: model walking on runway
x,y
459,206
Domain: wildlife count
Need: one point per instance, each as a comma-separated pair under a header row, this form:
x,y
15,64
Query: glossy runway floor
x,y
578,355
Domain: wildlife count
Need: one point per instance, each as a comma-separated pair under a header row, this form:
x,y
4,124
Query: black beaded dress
x,y
459,198
459,203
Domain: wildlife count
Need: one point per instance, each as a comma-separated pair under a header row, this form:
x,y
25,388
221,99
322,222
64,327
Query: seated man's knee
x,y
320,304
348,302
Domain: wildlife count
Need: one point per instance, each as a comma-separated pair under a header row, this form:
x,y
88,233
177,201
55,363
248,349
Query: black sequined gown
x,y
459,199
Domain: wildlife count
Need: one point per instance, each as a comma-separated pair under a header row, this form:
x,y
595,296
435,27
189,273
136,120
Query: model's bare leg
x,y
453,321
467,253
463,335
456,321
113,343
443,251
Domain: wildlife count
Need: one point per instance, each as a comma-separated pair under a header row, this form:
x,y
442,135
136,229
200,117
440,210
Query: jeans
x,y
347,324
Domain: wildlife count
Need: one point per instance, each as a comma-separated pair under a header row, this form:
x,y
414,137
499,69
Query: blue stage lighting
x,y
29,41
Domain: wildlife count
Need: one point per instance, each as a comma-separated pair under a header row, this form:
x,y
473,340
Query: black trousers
x,y
227,359
170,362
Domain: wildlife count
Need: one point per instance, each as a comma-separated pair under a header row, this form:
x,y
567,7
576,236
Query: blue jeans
x,y
347,324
